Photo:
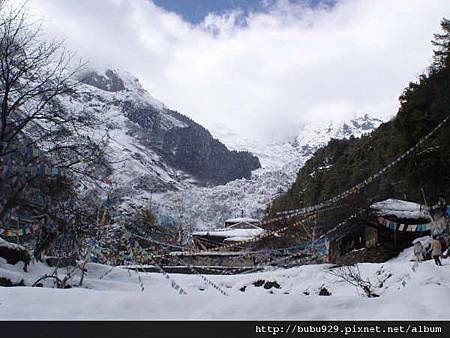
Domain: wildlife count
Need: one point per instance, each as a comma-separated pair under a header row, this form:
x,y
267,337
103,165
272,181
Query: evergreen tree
x,y
441,43
423,105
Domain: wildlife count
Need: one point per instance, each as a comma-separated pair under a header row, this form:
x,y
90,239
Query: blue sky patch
x,y
195,11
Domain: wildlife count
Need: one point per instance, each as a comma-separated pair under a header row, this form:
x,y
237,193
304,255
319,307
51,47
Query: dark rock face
x,y
110,82
190,147
194,150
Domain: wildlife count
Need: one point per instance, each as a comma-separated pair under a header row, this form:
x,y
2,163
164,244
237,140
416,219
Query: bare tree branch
x,y
352,275
39,137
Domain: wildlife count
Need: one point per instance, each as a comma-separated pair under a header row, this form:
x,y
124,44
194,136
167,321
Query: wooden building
x,y
239,231
234,259
389,227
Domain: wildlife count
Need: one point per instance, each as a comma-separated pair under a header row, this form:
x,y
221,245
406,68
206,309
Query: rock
x,y
324,291
8,283
259,283
14,253
377,254
192,148
242,289
109,81
269,285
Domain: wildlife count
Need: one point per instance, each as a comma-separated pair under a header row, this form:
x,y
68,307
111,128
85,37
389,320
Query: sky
x,y
195,11
260,69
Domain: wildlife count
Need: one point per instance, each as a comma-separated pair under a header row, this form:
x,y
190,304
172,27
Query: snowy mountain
x,y
211,206
193,177
151,148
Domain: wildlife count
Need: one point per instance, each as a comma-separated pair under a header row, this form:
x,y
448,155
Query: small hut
x,y
389,227
234,259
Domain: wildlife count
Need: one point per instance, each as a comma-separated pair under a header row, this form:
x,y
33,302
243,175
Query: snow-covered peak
x,y
115,80
151,149
311,136
210,207
318,134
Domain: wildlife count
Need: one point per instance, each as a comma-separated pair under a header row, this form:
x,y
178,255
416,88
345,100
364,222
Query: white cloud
x,y
264,79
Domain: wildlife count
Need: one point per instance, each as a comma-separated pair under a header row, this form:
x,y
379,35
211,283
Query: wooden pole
x,y
395,238
429,209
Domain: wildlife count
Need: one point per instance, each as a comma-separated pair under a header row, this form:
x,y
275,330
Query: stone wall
x,y
377,254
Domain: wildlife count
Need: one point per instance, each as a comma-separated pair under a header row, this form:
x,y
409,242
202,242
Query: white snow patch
x,y
242,220
229,233
401,209
11,246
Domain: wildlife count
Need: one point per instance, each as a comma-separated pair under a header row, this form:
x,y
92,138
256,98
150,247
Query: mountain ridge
x,y
158,149
209,207
423,106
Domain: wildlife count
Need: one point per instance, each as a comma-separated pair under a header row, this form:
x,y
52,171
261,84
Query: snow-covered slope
x,y
151,148
115,293
135,165
156,150
210,207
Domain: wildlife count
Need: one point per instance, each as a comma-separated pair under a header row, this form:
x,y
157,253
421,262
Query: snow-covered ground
x,y
115,293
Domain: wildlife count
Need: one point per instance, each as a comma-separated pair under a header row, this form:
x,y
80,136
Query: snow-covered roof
x,y
11,246
208,253
241,220
400,209
237,239
231,234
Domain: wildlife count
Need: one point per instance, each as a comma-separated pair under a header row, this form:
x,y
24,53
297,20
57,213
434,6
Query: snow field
x,y
114,293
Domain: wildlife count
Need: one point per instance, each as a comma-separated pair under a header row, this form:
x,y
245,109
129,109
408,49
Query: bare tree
x,y
352,275
58,282
44,148
184,222
39,139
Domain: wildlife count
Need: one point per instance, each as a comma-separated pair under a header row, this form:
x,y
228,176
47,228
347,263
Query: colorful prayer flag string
x,y
403,227
357,188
